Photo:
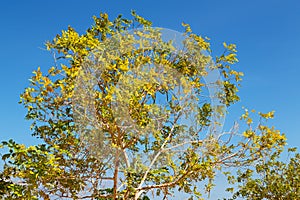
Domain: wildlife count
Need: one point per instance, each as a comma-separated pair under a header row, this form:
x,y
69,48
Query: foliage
x,y
99,157
272,179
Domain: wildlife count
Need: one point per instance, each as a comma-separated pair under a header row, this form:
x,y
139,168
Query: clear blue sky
x,y
267,34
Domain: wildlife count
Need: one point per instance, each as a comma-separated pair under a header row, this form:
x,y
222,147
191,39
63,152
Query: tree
x,y
124,113
272,179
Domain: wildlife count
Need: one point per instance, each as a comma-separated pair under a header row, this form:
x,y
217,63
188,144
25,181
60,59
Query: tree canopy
x,y
126,114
